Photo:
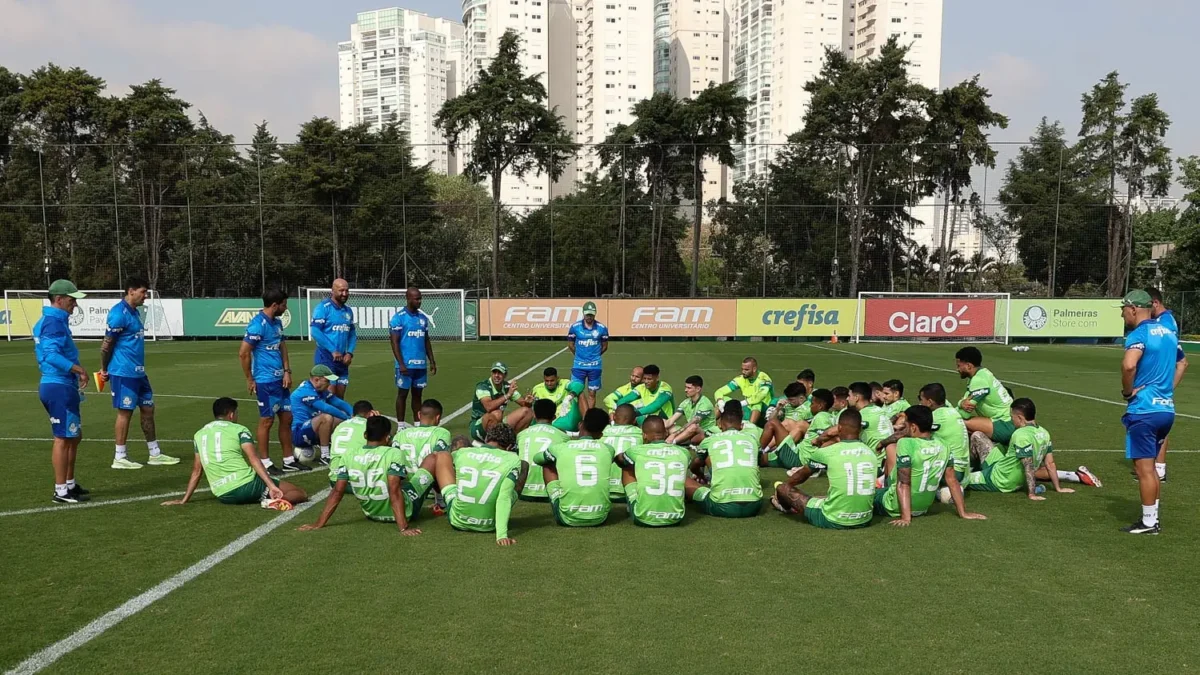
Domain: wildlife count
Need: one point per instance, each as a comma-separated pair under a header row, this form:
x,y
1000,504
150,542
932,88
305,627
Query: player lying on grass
x,y
654,474
624,393
893,398
755,388
621,435
915,466
491,397
696,417
539,437
985,406
315,414
576,474
851,466
1028,457
226,455
377,477
734,490
481,484
790,453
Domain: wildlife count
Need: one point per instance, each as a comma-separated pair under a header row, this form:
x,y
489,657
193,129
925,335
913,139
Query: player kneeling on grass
x,y
225,454
654,474
481,484
696,416
576,474
376,476
315,413
734,491
925,459
621,435
851,467
539,437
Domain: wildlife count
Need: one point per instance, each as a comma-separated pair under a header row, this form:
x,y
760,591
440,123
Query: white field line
x,y
92,505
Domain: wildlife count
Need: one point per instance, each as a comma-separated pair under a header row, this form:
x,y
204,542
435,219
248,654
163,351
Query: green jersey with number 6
x,y
219,444
619,437
485,487
927,459
661,470
537,438
851,467
582,491
367,472
417,443
734,456
951,430
349,436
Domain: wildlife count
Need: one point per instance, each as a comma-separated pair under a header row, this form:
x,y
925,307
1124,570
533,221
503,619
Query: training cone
x,y
100,381
833,340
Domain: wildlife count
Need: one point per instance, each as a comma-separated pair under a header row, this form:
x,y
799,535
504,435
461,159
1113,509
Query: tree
x,y
511,129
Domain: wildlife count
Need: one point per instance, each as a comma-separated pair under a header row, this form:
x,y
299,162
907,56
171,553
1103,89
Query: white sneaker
x,y
125,463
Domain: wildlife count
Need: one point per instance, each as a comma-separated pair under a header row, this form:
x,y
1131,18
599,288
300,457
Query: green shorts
x,y
415,488
570,519
568,423
1002,431
731,509
880,503
816,517
631,498
475,430
981,480
251,493
785,456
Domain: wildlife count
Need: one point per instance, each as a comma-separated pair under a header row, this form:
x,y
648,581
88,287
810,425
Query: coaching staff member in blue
x,y
336,335
62,380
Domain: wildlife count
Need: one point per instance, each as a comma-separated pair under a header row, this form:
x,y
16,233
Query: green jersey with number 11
x,y
219,444
661,470
734,457
583,468
537,438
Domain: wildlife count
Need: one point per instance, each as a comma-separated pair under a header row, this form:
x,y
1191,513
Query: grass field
x,y
1050,586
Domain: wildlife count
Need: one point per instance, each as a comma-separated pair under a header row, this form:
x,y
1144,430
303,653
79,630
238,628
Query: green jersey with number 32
x,y
661,470
537,438
734,457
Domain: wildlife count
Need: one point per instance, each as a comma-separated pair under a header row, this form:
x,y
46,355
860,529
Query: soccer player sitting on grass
x,y
696,416
349,437
790,453
915,468
841,401
569,402
875,424
948,427
851,466
734,491
315,413
621,435
655,397
654,474
481,484
755,388
807,378
787,412
576,474
893,398
418,442
491,397
625,393
377,477
539,437
985,406
225,454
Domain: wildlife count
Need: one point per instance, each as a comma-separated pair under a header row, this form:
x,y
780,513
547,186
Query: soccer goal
x,y
374,307
88,321
932,317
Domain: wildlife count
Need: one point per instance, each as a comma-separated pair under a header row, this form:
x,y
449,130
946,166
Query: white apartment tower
x,y
402,65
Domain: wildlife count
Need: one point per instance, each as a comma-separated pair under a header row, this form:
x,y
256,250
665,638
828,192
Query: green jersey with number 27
x,y
734,457
485,489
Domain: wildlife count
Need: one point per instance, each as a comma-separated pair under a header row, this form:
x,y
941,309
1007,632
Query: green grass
x,y
1038,586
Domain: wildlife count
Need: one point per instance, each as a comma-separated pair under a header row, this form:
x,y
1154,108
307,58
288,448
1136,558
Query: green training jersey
x,y
661,401
876,426
951,430
851,467
734,457
661,470
927,459
610,401
701,412
219,444
485,389
619,437
784,410
349,436
583,469
821,422
893,409
558,394
804,412
417,443
485,486
1007,470
537,438
755,390
990,395
367,471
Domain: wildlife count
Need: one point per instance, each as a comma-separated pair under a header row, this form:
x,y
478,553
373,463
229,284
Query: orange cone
x,y
833,340
100,381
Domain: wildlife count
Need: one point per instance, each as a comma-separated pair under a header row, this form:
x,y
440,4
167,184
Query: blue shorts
x,y
61,401
414,378
273,399
304,436
340,369
589,375
131,392
1145,433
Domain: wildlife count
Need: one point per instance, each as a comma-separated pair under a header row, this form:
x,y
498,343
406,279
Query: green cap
x,y
589,308
1137,298
64,287
499,365
323,371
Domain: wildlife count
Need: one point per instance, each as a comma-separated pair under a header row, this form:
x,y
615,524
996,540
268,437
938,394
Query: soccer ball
x,y
306,456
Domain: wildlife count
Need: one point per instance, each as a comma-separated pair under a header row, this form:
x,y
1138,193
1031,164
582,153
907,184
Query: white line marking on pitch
x,y
92,505
1019,384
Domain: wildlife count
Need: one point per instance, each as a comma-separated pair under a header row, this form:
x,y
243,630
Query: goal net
x,y
932,317
22,309
374,307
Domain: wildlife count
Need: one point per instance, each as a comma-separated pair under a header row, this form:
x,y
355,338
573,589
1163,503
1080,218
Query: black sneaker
x,y
65,499
79,489
1138,527
294,467
322,461
274,471
80,494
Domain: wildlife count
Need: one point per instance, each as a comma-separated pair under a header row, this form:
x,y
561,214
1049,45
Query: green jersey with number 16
x,y
537,438
851,467
583,468
349,436
734,457
619,437
661,470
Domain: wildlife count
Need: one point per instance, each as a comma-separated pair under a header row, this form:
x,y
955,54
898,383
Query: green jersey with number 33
x,y
734,457
661,470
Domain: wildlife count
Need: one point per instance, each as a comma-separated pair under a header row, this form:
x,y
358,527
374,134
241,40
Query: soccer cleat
x,y
274,471
276,504
162,460
294,467
322,461
1087,477
439,510
80,490
65,499
125,463
1138,527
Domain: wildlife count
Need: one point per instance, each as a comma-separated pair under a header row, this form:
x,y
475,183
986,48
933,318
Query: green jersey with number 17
x,y
417,443
661,471
619,437
537,438
219,444
349,436
734,457
583,469
484,478
851,467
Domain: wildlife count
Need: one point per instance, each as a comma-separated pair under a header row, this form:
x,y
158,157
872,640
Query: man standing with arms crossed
x,y
123,361
265,363
62,380
1148,377
413,351
336,335
588,340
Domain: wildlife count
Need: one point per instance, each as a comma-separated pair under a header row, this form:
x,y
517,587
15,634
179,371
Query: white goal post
x,y
374,307
90,318
933,317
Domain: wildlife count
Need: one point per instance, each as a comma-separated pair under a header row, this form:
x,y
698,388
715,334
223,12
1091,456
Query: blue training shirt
x,y
265,335
307,403
54,347
588,343
1167,318
412,329
334,330
124,326
1155,370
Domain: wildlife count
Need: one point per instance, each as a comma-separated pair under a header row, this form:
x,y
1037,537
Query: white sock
x,y
155,451
266,462
324,452
60,489
289,460
70,483
1069,476
1150,515
121,451
1161,469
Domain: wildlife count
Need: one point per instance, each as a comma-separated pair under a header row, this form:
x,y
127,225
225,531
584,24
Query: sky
x,y
243,61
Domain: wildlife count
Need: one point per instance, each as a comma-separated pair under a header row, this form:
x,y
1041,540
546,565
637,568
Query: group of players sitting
x,y
881,455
